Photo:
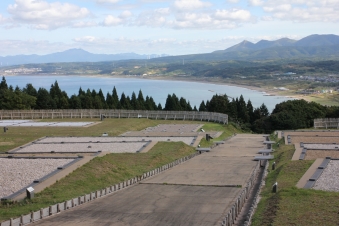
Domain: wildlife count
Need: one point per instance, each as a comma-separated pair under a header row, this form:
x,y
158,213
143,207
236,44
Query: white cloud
x,y
3,19
188,5
255,2
122,19
207,19
235,15
302,10
16,47
85,39
112,21
278,8
126,14
41,14
107,1
154,46
83,24
233,1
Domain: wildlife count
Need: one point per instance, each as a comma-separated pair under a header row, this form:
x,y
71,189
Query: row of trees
x,y
31,98
292,114
54,98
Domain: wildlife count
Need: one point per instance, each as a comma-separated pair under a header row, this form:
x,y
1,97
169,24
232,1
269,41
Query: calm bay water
x,y
194,92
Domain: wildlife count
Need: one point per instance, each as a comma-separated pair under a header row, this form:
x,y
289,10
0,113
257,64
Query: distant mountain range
x,y
313,46
309,41
72,55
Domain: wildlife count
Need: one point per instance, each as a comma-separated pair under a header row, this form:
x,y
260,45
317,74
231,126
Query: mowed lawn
x,y
101,171
291,205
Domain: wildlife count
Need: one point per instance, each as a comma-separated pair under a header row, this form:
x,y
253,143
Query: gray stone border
x,y
310,183
69,204
35,182
240,200
303,154
15,150
256,197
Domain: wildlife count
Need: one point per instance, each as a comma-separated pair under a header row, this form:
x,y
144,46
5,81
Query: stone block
x,y
26,219
87,197
53,209
61,207
36,215
16,221
81,200
6,223
98,194
75,202
68,204
45,212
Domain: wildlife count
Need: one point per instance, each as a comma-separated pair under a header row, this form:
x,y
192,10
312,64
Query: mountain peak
x,y
312,40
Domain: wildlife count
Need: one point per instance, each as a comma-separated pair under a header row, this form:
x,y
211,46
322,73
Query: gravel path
x,y
314,140
18,173
174,128
314,154
186,140
131,147
322,146
312,133
39,124
329,179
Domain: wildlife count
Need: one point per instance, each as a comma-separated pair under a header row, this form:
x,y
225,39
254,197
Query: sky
x,y
173,27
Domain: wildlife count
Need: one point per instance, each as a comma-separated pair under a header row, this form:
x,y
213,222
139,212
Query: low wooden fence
x,y
324,123
114,113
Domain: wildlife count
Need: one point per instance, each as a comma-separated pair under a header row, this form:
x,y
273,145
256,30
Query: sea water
x,y
194,92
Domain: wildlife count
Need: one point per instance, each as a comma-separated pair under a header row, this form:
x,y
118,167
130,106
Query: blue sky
x,y
157,26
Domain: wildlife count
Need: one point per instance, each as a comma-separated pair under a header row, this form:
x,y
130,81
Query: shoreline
x,y
266,90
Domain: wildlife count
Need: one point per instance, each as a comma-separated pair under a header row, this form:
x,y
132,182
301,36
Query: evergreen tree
x,y
250,109
123,101
75,102
81,92
159,108
116,102
141,101
109,101
189,107
102,99
3,84
219,103
169,105
183,104
242,110
30,90
44,100
153,104
264,111
233,110
202,106
134,102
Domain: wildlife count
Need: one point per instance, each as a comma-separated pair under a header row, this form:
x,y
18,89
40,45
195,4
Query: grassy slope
x,y
290,205
101,171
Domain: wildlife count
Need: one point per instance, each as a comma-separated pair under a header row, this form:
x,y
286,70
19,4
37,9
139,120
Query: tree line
x,y
292,114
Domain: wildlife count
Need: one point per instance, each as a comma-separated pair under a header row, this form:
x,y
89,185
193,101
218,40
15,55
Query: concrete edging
x,y
240,200
69,204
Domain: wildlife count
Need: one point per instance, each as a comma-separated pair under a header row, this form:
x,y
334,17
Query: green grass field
x,y
290,205
103,171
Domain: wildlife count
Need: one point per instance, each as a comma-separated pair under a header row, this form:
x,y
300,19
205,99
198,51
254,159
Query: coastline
x,y
214,81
